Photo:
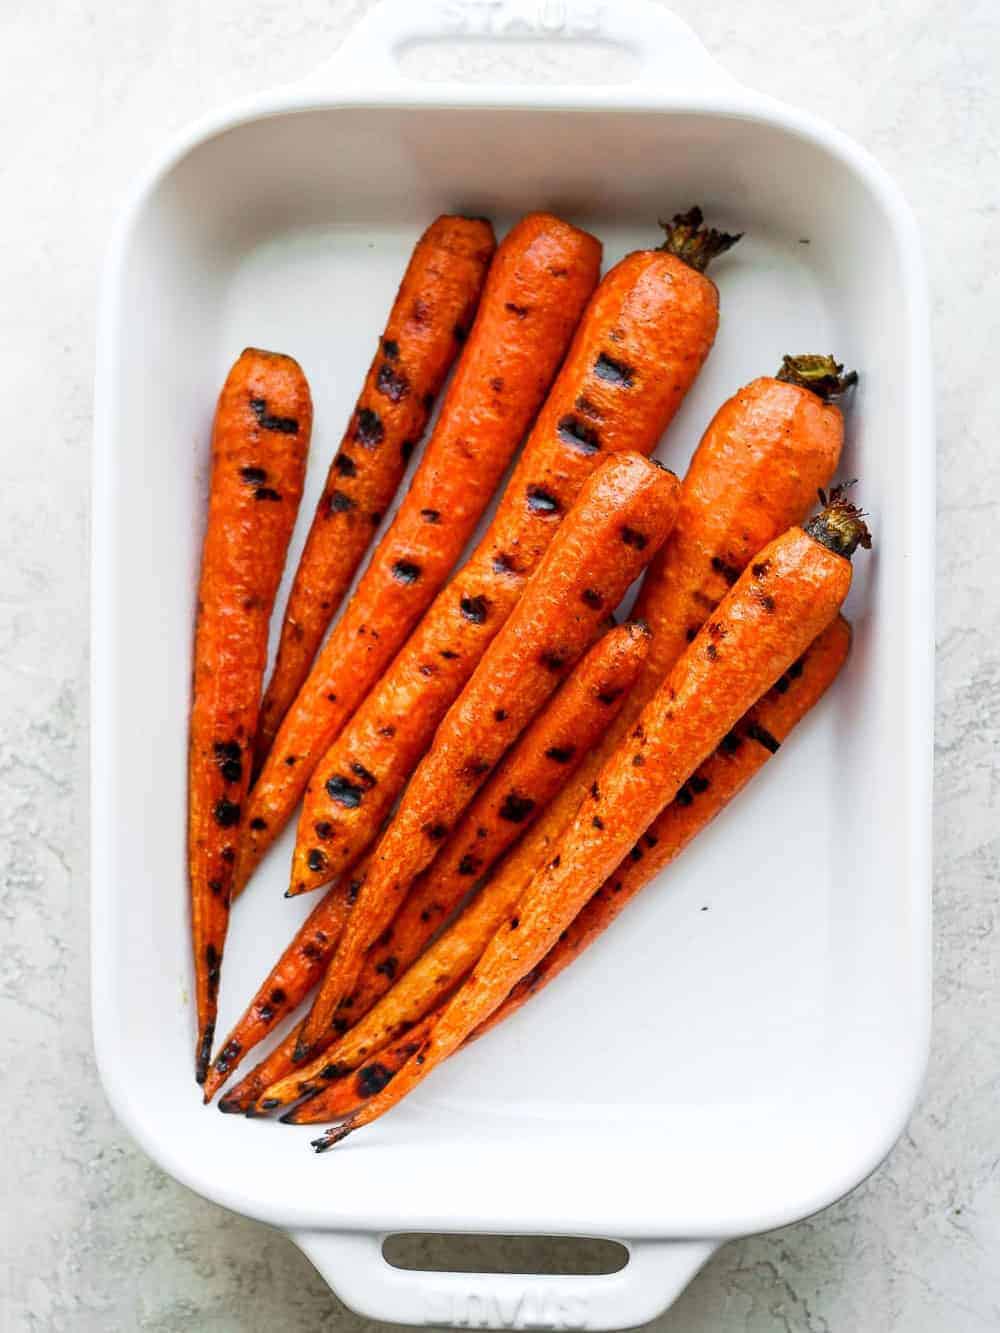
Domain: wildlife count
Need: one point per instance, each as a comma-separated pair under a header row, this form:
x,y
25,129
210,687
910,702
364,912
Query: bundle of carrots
x,y
489,767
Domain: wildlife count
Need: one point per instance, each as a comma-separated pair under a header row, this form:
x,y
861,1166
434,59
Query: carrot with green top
x,y
640,346
260,441
433,309
540,280
791,591
623,514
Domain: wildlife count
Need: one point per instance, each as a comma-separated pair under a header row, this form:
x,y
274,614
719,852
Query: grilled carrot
x,y
739,756
755,472
540,762
792,590
539,282
434,307
545,756
639,347
351,1091
622,515
259,445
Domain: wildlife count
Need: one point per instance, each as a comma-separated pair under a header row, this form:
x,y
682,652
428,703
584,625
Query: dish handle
x,y
665,55
355,1268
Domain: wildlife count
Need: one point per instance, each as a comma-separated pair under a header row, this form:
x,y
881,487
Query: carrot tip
x,y
229,1106
204,1056
333,1136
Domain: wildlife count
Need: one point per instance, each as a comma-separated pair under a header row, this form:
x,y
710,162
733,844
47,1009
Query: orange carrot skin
x,y
546,755
432,313
739,757
640,345
260,441
352,1090
790,593
539,282
542,760
623,514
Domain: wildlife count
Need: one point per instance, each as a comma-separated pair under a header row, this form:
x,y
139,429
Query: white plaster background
x,y
92,1236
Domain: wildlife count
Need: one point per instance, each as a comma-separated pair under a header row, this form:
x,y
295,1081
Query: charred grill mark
x,y
392,384
515,808
228,854
372,1079
390,348
540,501
364,775
435,831
323,830
711,652
388,967
691,633
592,598
253,476
560,754
344,791
226,813
553,659
613,372
503,564
448,654
267,493
431,515
339,503
609,696
229,758
316,860
213,961
730,743
760,569
283,425
368,430
597,822
475,609
406,571
469,864
258,824
345,465
571,430
500,714
291,760
589,409
698,784
632,537
763,737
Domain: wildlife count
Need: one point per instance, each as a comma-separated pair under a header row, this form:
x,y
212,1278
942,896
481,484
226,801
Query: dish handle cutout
x,y
648,48
354,1265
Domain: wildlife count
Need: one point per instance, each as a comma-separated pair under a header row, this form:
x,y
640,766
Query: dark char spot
x,y
571,430
283,425
435,831
388,967
369,430
520,311
541,502
405,571
500,714
502,564
392,384
730,743
229,758
475,609
345,465
316,860
469,864
291,760
391,348
344,791
372,1079
760,569
228,855
592,598
215,886
266,493
614,372
597,822
633,538
691,633
553,658
711,652
589,409
516,809
431,515
227,813
364,775
609,696
323,829
257,824
253,476
698,784
560,754
339,503
763,737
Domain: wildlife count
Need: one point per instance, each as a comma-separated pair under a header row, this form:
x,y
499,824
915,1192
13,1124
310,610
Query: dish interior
x,y
747,1029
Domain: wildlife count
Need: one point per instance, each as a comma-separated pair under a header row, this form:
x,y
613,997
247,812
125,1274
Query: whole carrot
x,y
541,761
432,313
741,754
756,471
539,282
791,591
639,347
622,515
260,440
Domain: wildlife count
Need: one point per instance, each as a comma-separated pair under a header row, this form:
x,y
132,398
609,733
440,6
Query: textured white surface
x,y
97,1238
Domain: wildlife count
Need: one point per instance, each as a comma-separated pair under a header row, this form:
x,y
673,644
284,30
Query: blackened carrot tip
x,y
204,1056
333,1136
695,245
822,375
229,1106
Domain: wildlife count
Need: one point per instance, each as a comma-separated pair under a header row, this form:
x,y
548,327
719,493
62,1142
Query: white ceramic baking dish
x,y
774,988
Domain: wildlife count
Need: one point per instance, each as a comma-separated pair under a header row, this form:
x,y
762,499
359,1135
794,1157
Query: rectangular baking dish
x,y
775,985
